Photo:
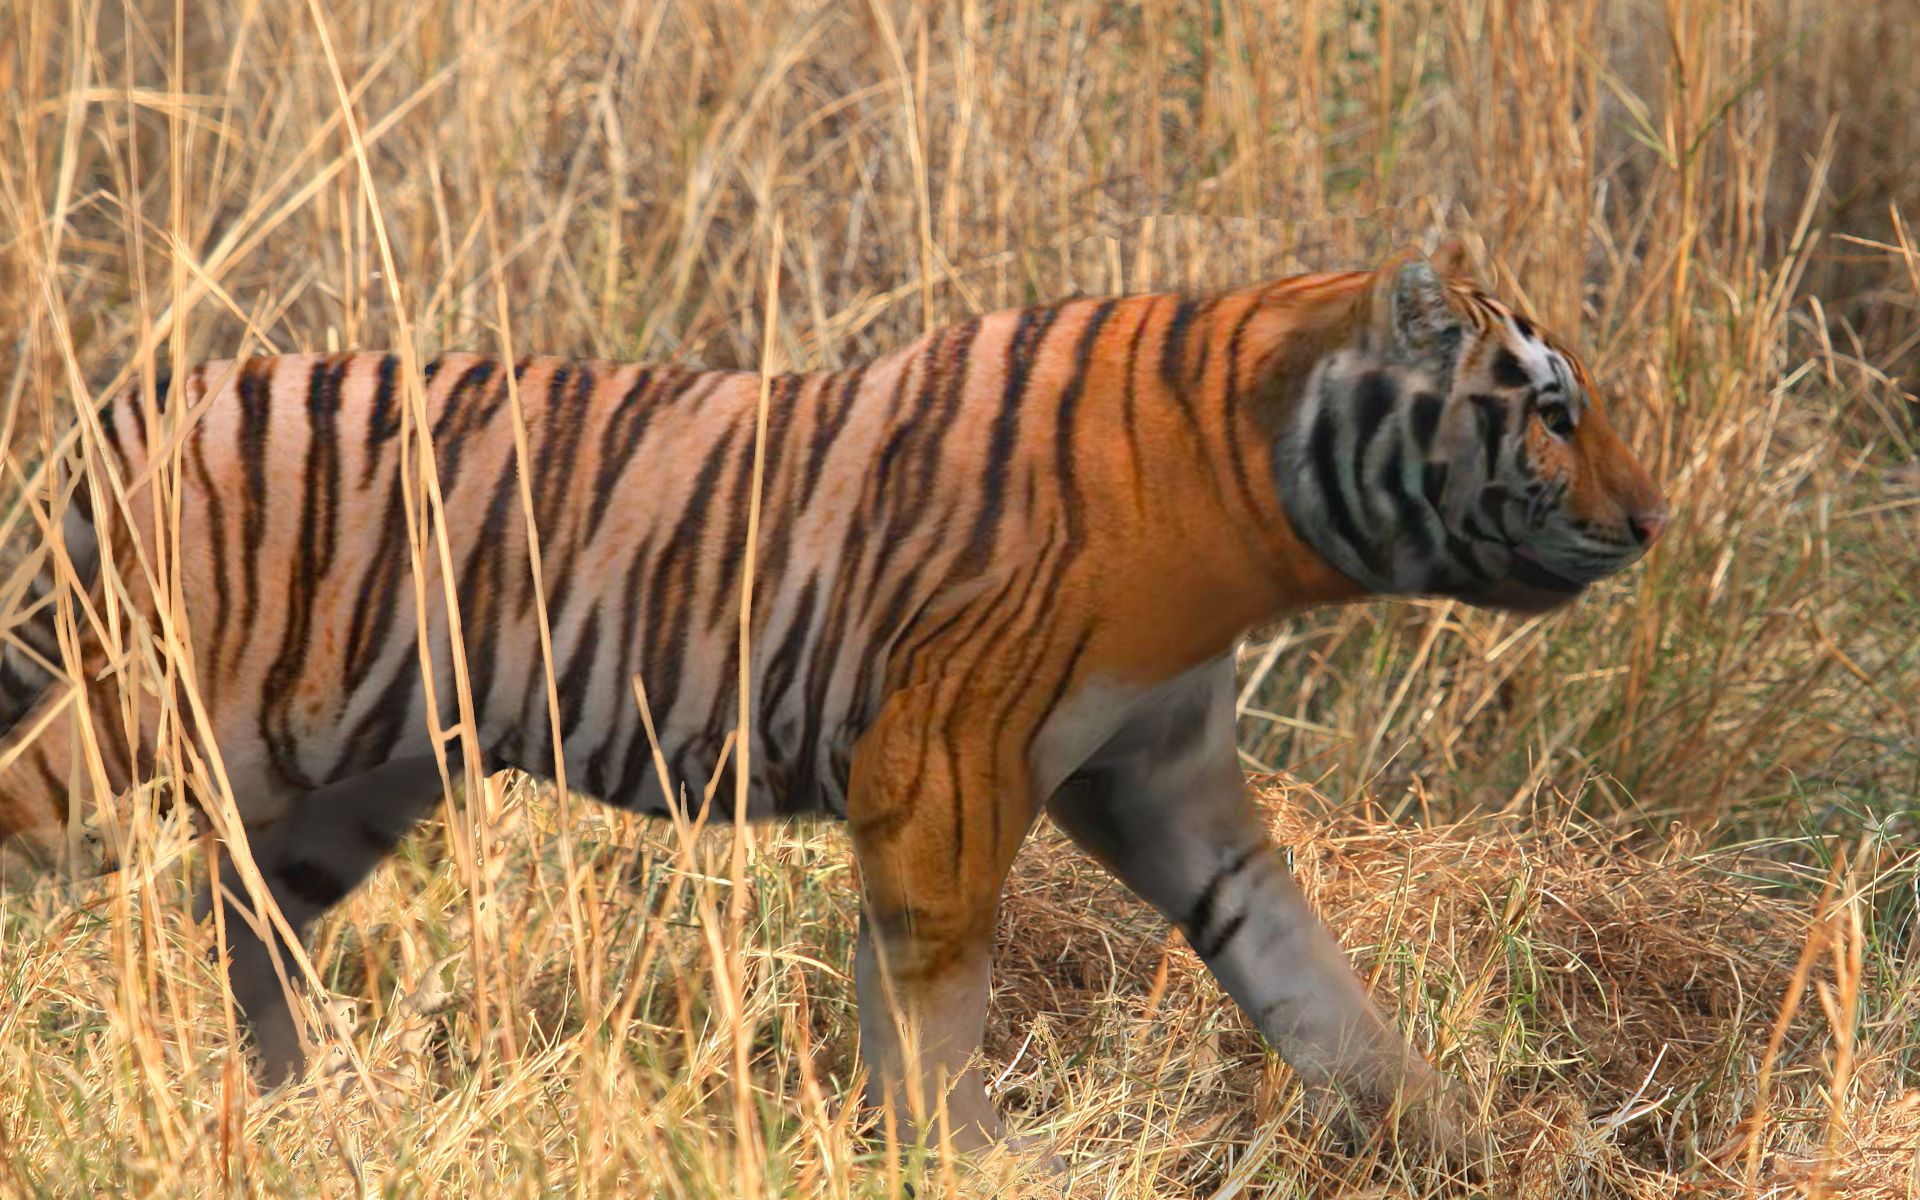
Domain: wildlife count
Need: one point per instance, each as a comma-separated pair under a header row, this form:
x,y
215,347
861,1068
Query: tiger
x,y
1001,571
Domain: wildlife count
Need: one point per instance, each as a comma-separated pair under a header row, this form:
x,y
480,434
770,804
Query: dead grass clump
x,y
1610,1004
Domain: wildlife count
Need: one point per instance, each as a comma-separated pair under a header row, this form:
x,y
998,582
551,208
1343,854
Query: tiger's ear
x,y
1412,317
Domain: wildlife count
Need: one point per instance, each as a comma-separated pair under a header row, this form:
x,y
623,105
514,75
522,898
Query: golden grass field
x,y
1642,874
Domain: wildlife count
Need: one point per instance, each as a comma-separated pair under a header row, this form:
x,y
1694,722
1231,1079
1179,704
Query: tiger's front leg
x,y
1164,806
936,818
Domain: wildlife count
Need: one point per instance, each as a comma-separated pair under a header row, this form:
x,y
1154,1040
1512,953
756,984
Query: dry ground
x,y
1623,1014
1640,874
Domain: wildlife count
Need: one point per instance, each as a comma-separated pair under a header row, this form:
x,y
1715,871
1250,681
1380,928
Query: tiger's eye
x,y
1558,419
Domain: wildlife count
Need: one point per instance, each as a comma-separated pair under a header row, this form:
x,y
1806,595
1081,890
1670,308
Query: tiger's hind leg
x,y
310,860
38,735
1165,808
52,775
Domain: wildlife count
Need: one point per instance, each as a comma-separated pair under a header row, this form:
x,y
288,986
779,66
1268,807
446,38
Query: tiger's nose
x,y
1648,526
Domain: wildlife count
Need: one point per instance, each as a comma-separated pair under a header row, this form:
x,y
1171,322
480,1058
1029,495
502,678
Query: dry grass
x,y
1638,874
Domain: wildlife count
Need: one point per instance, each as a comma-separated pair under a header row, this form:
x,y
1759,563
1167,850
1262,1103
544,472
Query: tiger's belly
x,y
635,726
796,755
643,704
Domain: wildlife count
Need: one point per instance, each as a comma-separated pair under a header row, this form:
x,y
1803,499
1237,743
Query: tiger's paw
x,y
1443,1127
1428,1119
1038,1154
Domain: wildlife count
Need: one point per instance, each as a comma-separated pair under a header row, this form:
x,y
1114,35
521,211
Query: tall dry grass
x,y
1638,874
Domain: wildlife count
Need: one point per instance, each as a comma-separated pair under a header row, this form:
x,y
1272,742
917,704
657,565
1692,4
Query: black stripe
x,y
555,482
547,495
827,427
372,624
782,670
778,513
1131,399
212,677
827,652
1373,401
1173,369
1208,942
137,409
910,491
255,396
312,560
1493,427
463,413
571,686
1069,671
1039,608
51,782
373,739
638,752
1070,501
1426,419
671,584
625,428
1411,517
326,452
733,542
1023,351
482,584
946,386
1322,444
378,595
110,429
888,479
1236,453
1173,344
1508,371
831,646
383,416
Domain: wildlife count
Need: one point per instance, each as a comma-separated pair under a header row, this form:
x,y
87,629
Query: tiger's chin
x,y
1531,588
1527,588
1525,599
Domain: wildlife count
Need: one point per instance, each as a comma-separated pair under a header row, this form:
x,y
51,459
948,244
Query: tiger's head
x,y
1452,448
